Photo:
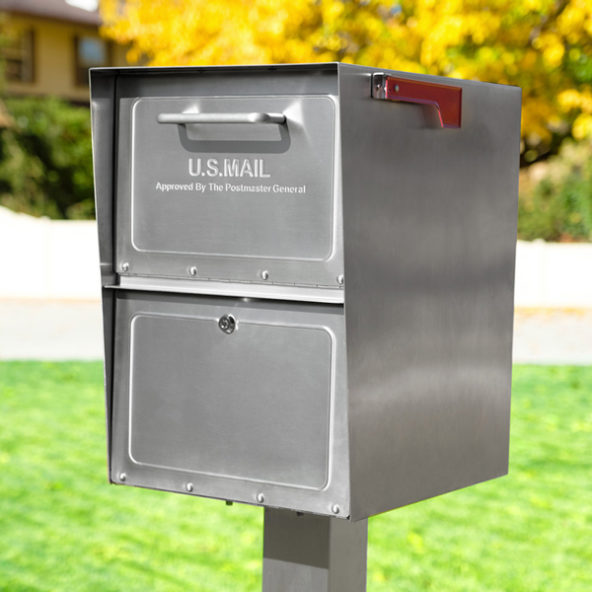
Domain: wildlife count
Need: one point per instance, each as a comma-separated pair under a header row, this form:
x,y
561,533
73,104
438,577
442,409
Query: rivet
x,y
396,88
125,266
122,476
260,498
189,487
265,274
340,279
193,271
335,509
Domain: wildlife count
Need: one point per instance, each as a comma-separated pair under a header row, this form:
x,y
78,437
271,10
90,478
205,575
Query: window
x,y
90,53
19,57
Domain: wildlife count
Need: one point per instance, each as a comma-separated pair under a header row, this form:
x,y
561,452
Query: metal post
x,y
306,553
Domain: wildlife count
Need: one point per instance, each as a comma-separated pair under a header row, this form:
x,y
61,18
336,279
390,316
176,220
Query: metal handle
x,y
184,118
446,99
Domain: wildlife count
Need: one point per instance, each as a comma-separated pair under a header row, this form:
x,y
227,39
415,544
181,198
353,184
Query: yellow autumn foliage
x,y
543,46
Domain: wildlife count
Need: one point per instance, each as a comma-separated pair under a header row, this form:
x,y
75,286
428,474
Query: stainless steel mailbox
x,y
308,278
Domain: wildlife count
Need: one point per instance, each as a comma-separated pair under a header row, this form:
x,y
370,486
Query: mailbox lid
x,y
249,202
233,413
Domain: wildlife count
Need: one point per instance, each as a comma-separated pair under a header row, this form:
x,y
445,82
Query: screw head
x,y
260,498
122,476
340,279
193,271
335,509
227,324
265,274
125,266
189,486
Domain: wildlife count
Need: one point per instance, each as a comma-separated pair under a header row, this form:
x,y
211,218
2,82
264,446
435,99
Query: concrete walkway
x,y
553,336
50,330
63,330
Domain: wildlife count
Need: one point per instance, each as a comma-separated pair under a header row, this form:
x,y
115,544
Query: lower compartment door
x,y
222,397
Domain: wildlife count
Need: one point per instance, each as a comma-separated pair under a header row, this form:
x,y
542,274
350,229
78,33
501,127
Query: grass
x,y
62,527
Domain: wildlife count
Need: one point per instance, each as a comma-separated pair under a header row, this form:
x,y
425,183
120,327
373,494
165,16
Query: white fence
x,y
553,275
48,259
58,260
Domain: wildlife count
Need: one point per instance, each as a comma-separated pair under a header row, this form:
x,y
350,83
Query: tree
x,y
45,159
544,46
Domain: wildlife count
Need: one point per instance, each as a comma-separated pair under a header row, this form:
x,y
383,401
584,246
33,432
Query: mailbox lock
x,y
227,323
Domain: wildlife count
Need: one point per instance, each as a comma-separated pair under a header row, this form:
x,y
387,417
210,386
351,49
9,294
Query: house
x,y
49,45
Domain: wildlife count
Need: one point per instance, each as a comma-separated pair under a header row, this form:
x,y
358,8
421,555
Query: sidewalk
x,y
553,336
62,330
50,330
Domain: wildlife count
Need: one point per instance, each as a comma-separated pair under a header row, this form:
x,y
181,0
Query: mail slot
x,y
307,278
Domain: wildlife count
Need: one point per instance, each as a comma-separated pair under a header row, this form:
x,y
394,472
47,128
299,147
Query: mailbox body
x,y
338,397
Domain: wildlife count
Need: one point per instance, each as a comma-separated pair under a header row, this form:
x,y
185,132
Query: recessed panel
x,y
252,404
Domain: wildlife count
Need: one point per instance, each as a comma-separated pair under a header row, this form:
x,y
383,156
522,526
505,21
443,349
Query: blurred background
x,y
62,527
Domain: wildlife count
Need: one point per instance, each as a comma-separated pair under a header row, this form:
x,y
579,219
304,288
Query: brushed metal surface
x,y
103,107
230,235
258,411
238,289
286,79
241,404
304,553
196,196
420,389
203,118
429,266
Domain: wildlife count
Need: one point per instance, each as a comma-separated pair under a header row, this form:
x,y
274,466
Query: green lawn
x,y
63,528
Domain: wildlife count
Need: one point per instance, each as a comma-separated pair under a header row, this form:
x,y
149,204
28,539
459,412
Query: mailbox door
x,y
229,188
231,399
